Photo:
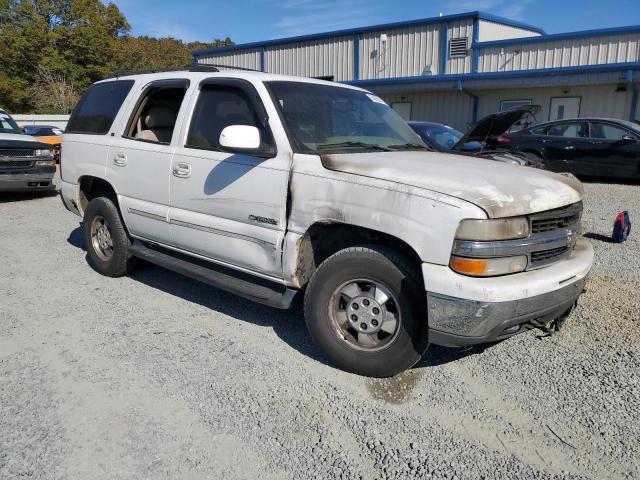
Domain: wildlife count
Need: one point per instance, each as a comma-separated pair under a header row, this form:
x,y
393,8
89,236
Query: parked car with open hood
x,y
481,139
25,164
589,147
272,186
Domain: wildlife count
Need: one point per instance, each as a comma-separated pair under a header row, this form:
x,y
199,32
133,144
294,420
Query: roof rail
x,y
193,67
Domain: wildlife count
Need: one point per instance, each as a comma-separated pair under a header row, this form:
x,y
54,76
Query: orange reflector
x,y
468,266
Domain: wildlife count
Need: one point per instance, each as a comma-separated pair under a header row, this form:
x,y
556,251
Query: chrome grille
x,y
16,153
565,217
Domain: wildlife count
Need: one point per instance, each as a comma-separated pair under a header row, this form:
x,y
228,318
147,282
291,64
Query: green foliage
x,y
77,42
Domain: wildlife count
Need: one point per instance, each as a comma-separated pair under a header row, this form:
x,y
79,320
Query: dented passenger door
x,y
229,207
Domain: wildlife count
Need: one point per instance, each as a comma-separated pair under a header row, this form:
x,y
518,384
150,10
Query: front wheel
x,y
365,308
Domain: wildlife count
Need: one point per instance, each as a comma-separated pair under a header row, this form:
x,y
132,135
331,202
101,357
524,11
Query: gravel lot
x,y
156,376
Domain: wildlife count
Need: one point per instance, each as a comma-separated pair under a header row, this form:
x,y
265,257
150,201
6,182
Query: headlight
x,y
42,152
496,229
488,267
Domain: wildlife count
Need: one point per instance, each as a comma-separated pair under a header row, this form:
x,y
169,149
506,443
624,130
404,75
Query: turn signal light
x,y
488,267
503,140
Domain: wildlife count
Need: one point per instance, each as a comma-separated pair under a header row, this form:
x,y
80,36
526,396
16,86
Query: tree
x,y
57,48
52,92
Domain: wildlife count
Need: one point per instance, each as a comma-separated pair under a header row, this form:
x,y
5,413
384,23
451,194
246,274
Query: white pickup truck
x,y
271,186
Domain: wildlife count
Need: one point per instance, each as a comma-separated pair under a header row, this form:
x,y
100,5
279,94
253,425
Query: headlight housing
x,y
494,229
43,152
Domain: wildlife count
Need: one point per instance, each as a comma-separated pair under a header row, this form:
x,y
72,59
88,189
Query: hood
x,y
500,189
13,140
496,124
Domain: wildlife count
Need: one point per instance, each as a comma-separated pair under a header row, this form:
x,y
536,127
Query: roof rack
x,y
193,67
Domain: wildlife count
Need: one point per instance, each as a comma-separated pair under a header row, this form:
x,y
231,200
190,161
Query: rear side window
x,y
96,111
569,130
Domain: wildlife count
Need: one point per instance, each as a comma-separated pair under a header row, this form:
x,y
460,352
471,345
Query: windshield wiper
x,y
351,144
409,146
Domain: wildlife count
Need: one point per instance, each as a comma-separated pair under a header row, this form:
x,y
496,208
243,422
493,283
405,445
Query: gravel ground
x,y
156,376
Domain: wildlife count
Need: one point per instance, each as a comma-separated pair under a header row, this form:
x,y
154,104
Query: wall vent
x,y
458,47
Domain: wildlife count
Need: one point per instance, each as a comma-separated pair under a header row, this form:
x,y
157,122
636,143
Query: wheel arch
x,y
90,187
322,239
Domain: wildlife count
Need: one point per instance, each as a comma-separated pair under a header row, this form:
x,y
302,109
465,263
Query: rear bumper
x,y
39,179
466,311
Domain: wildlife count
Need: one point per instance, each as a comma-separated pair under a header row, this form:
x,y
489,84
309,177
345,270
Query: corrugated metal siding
x,y
240,58
316,58
451,108
406,53
596,100
490,31
595,50
460,29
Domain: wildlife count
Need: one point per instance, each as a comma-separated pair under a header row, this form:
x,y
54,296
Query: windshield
x,y
446,137
8,125
323,118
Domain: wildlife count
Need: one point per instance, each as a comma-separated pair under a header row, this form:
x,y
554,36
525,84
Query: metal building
x,y
457,68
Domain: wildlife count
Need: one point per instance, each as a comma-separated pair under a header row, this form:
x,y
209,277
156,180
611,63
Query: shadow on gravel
x,y
287,324
9,197
598,236
437,355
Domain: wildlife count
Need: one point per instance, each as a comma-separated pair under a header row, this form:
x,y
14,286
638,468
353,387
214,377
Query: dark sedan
x,y
589,147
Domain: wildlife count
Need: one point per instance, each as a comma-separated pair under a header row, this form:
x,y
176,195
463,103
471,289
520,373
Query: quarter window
x,y
569,130
219,107
97,110
154,118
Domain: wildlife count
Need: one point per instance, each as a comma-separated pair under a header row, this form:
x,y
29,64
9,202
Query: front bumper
x,y
466,311
39,178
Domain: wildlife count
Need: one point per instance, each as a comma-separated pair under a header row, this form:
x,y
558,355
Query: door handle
x,y
543,140
569,147
182,170
120,159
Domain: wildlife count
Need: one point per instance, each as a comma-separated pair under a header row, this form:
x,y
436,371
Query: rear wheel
x,y
106,239
365,309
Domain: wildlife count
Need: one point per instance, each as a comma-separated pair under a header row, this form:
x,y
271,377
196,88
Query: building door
x,y
564,107
403,109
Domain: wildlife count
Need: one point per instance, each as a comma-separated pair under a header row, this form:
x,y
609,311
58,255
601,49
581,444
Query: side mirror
x,y
243,138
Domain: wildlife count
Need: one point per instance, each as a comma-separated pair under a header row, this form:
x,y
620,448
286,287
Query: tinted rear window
x,y
96,111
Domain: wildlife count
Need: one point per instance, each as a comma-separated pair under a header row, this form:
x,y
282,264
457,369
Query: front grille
x,y
565,217
16,153
547,256
13,164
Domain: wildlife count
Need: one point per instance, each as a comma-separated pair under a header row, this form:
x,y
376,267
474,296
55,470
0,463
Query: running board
x,y
248,286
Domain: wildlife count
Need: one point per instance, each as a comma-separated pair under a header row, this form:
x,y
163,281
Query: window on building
x,y
219,107
506,105
97,110
154,119
458,47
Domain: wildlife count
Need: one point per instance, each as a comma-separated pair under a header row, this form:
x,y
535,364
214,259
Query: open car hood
x,y
496,124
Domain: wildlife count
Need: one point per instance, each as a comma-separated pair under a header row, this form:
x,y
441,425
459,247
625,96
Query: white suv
x,y
269,186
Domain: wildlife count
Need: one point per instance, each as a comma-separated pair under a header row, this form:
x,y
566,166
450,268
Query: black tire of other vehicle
x,y
121,262
382,265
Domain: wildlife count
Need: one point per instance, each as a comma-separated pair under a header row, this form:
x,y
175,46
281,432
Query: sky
x,y
254,20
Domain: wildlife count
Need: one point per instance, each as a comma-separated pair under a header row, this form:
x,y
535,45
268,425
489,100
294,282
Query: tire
x,y
111,262
370,343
